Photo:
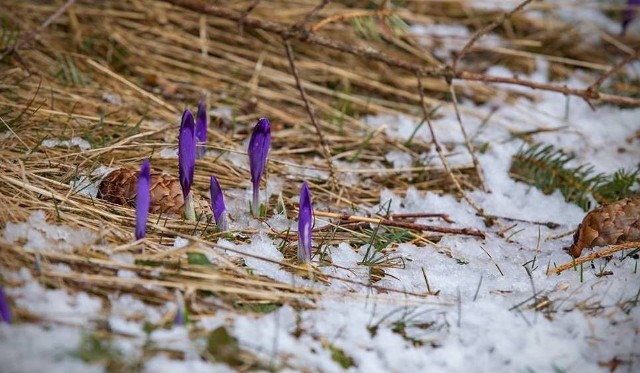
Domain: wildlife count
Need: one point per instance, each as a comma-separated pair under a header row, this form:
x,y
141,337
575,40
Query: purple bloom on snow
x,y
217,204
305,222
629,13
201,130
143,199
187,161
5,312
259,145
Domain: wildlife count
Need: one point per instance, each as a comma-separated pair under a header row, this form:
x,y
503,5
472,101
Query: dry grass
x,y
158,59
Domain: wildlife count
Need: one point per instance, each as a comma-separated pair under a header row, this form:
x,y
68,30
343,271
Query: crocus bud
x,y
305,223
143,199
217,204
629,13
5,312
201,130
187,161
259,145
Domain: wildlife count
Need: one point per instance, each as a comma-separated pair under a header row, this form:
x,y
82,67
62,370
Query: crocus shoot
x,y
201,130
305,223
217,204
259,145
187,161
143,199
5,312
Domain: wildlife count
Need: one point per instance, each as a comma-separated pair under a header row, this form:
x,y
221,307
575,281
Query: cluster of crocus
x,y
191,144
5,312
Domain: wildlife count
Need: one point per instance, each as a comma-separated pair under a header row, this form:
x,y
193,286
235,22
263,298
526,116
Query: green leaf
x,y
198,259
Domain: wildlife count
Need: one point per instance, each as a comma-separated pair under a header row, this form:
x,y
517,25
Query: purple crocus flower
x,y
143,199
217,204
259,145
5,312
629,13
187,161
305,222
201,130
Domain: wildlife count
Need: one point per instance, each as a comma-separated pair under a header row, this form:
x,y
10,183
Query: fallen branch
x,y
598,254
367,52
399,224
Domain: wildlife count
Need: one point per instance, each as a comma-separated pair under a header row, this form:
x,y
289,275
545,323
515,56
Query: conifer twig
x,y
595,255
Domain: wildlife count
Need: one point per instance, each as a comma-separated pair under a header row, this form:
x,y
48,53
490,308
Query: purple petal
x,y
305,223
201,129
5,312
143,199
217,204
186,152
629,13
259,145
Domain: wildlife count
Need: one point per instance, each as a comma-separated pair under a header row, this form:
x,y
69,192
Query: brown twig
x,y
323,143
370,53
443,159
467,142
393,223
300,24
598,254
444,217
593,88
483,31
29,36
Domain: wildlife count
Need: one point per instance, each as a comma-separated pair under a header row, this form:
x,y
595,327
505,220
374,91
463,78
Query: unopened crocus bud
x,y
305,223
143,199
5,312
629,13
201,130
259,145
217,204
187,161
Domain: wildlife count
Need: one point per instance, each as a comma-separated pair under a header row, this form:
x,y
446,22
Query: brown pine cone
x,y
166,194
610,224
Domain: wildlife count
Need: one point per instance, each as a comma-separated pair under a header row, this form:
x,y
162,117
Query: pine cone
x,y
120,187
610,224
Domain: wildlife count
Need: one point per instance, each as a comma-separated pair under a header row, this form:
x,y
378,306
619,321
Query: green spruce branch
x,y
547,169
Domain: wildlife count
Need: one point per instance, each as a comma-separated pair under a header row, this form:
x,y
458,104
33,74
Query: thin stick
x,y
29,36
467,142
300,24
483,31
598,254
399,224
596,85
443,159
131,85
312,115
